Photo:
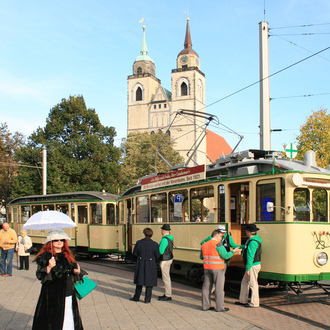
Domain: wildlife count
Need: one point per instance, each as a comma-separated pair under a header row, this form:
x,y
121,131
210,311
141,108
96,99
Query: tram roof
x,y
71,196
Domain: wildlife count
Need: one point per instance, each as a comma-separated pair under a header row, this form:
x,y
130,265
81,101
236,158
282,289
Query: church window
x,y
184,89
139,70
138,94
165,106
155,106
159,106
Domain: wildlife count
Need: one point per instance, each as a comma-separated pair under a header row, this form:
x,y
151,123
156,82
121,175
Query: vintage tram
x,y
287,199
95,214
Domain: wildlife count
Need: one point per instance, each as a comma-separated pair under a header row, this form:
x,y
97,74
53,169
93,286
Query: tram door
x,y
239,210
129,212
82,226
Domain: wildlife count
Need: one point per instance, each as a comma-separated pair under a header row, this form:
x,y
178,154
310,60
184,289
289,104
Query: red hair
x,y
65,250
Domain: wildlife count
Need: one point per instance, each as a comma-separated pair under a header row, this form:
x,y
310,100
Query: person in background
x,y
214,254
252,262
57,307
147,253
166,251
8,240
24,243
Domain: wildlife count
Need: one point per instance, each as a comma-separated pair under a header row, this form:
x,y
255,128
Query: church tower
x,y
188,93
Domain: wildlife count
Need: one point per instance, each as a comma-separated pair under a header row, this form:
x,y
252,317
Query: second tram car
x,y
289,202
95,214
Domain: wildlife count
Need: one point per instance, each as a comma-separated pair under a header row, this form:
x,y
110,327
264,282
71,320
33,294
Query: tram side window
x,y
265,194
222,204
320,205
179,206
159,208
36,209
49,207
96,213
25,213
64,208
202,204
142,209
82,213
302,208
110,214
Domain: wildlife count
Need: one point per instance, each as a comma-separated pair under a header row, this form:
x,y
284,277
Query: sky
x,y
50,50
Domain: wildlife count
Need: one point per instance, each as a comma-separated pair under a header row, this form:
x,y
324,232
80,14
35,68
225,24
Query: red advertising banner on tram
x,y
172,178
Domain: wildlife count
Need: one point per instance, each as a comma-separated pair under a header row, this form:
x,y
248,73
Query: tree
x,y
315,135
9,144
80,152
141,158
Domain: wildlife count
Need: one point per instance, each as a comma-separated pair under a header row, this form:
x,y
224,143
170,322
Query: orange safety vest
x,y
211,257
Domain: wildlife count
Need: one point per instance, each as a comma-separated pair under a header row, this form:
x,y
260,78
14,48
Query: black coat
x,y
49,313
147,253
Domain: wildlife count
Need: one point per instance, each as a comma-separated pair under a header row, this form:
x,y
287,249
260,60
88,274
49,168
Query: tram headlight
x,y
320,258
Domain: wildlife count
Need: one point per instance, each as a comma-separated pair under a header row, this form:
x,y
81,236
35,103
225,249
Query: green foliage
x,y
140,156
9,143
315,135
80,153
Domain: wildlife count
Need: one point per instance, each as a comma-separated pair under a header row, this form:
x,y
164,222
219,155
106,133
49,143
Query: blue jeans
x,y
6,255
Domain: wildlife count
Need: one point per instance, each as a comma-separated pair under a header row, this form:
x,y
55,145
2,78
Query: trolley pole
x,y
44,170
265,130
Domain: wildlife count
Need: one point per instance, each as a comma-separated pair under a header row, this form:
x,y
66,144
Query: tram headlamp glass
x,y
322,258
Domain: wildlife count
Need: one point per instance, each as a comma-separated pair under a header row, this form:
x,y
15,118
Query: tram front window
x,y
179,206
96,213
320,205
301,204
110,214
202,204
159,208
25,213
142,209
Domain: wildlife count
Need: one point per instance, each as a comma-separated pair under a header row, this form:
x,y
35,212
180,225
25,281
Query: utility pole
x,y
265,143
44,170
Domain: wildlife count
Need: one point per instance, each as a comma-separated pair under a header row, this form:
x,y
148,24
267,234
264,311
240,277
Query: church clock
x,y
184,59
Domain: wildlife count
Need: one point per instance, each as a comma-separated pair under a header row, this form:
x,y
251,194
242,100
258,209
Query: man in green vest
x,y
252,262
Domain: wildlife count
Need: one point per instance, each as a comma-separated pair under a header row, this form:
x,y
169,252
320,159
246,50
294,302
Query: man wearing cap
x,y
166,251
8,240
252,262
227,241
214,254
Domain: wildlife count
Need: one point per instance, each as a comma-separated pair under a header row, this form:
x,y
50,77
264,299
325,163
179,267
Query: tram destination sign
x,y
172,178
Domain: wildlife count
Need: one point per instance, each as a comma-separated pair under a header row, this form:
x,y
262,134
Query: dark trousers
x,y
138,291
24,260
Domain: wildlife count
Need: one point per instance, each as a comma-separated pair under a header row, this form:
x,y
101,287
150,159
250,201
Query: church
x,y
179,112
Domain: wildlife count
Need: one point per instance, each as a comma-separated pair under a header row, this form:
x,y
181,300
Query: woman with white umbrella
x,y
58,271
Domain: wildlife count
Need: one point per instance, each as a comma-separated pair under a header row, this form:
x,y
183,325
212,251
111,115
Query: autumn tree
x,y
9,144
80,152
141,157
315,135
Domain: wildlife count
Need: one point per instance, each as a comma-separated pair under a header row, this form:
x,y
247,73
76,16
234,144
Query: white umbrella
x,y
46,220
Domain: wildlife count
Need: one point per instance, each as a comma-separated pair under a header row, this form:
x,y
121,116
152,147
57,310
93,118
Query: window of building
x,y
142,209
139,70
165,105
184,89
159,208
96,213
138,94
179,205
155,106
202,204
320,205
159,106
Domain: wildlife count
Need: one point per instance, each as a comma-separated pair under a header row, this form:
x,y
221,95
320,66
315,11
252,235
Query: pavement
x,y
109,307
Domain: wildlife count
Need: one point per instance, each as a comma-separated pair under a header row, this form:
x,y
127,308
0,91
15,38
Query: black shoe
x,y
161,297
210,309
165,298
133,299
239,303
147,302
224,310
